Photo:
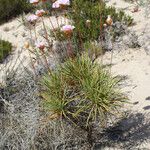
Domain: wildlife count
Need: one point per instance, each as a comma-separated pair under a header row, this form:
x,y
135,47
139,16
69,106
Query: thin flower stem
x,y
70,49
46,34
30,33
101,30
46,62
111,59
35,33
32,63
56,19
53,28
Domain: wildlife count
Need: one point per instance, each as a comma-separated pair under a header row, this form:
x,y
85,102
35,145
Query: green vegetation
x,y
12,8
81,90
131,1
96,12
5,49
89,18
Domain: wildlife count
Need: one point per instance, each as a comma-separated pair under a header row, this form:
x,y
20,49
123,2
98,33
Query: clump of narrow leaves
x,y
5,49
81,89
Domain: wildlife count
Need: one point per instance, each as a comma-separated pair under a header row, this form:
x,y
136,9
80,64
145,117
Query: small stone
x,y
135,9
15,34
23,34
147,98
30,41
1,106
131,40
42,32
6,29
135,103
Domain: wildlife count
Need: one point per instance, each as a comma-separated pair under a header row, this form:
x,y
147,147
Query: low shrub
x,y
90,16
9,9
81,91
5,49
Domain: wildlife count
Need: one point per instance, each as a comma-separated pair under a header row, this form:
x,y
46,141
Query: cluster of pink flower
x,y
40,45
33,18
56,4
61,3
36,1
67,29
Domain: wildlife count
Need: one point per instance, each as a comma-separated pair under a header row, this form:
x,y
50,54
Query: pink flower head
x,y
58,3
55,4
64,2
40,13
34,1
32,18
67,28
40,45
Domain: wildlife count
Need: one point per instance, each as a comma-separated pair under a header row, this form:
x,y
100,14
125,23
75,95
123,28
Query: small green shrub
x,y
97,13
12,8
5,49
81,89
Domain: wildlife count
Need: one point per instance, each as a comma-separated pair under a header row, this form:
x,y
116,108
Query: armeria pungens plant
x,y
55,94
81,89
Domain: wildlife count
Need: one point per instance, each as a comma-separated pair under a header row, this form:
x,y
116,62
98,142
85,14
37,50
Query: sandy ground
x,y
132,63
18,35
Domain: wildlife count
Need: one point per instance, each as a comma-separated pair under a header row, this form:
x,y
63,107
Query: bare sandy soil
x,y
16,33
134,64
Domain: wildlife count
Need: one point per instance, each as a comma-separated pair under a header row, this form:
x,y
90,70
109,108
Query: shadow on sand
x,y
128,133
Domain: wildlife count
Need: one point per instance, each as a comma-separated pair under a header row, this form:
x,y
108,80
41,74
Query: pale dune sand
x,y
134,63
17,34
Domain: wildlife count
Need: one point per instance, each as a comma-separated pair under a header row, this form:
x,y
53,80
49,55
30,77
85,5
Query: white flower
x,y
32,18
88,23
104,25
40,13
34,1
67,28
